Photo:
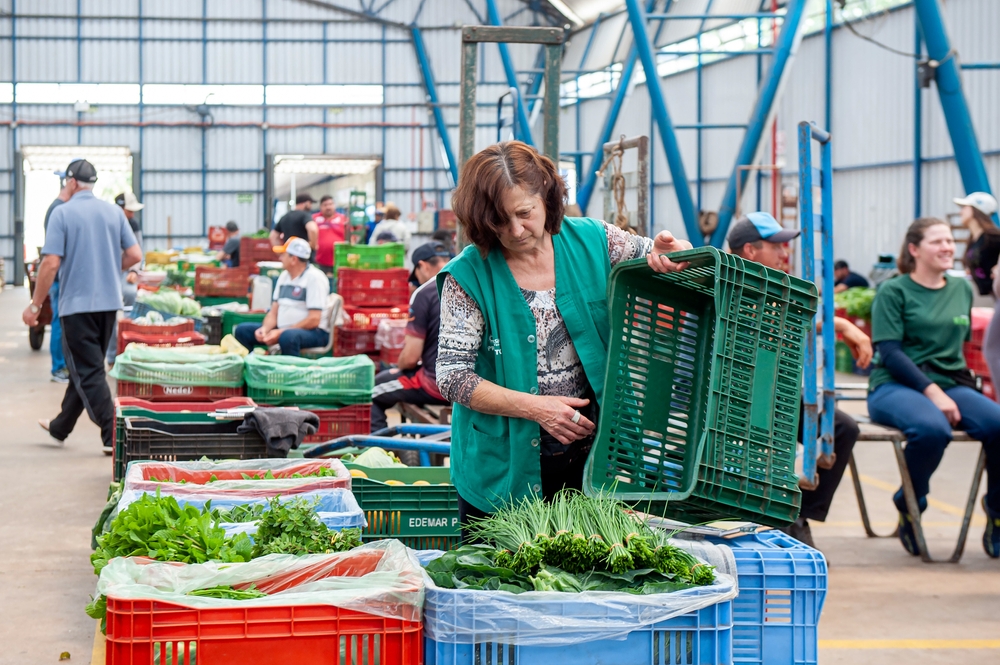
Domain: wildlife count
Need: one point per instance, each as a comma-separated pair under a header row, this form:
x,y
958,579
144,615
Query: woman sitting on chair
x,y
921,385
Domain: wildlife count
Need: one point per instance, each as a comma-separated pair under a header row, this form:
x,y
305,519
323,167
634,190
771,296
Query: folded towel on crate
x,y
281,429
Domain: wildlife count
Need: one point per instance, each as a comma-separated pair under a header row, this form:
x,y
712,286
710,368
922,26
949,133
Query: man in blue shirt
x,y
89,243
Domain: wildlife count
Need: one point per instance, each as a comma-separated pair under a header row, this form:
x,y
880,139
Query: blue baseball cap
x,y
756,226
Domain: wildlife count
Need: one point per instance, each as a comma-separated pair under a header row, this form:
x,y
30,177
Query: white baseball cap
x,y
981,201
296,247
128,201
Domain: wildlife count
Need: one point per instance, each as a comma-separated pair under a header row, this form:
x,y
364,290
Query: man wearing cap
x,y
59,372
414,380
89,243
758,237
230,252
129,205
295,320
297,223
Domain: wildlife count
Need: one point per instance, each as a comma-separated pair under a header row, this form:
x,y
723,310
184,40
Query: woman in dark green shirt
x,y
921,384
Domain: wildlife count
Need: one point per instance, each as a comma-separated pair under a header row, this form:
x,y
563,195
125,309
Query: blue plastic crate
x,y
782,590
698,638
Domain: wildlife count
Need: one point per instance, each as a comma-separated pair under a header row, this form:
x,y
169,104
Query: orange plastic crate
x,y
374,288
221,282
143,632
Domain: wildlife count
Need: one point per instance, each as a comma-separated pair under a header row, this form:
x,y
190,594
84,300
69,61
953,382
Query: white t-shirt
x,y
296,297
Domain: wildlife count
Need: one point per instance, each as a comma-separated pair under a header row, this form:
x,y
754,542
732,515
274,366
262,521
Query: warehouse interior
x,y
229,112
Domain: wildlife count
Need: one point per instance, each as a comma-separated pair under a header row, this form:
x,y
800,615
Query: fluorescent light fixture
x,y
213,95
323,95
6,93
323,165
564,9
71,93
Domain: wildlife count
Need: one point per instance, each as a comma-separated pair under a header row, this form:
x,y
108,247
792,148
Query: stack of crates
x,y
176,334
973,349
168,412
165,375
375,286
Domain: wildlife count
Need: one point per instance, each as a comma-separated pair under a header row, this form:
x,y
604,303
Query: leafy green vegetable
x,y
228,593
857,301
293,527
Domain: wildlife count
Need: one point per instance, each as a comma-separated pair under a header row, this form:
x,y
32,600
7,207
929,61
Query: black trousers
x,y
393,386
816,503
85,340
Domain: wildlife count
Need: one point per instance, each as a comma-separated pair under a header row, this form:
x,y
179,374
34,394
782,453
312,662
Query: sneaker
x,y
44,424
991,537
108,450
906,531
800,531
60,376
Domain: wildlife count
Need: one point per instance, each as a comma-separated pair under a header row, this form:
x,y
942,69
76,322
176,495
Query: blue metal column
x,y
918,127
432,97
524,127
785,47
637,18
812,428
949,84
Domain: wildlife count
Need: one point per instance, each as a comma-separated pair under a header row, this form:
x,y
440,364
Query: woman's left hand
x,y
665,243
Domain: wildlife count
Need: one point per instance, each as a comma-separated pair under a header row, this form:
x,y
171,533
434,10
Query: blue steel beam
x,y
586,190
432,97
787,44
637,19
523,126
949,86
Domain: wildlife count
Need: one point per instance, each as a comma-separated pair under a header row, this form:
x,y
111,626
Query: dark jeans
x,y
85,339
928,432
291,341
55,332
393,386
816,503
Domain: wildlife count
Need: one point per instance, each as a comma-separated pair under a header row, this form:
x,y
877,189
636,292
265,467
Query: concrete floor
x,y
883,606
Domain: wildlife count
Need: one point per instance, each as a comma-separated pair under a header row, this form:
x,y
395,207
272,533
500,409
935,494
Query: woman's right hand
x,y
943,402
555,415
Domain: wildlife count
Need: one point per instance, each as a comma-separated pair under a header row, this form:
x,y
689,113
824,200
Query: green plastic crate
x,y
369,257
232,319
701,397
211,301
286,380
422,517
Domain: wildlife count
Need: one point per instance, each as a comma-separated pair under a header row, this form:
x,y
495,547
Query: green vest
x,y
495,459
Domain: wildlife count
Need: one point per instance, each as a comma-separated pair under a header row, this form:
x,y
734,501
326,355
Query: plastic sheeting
x,y
546,618
229,477
329,377
179,368
380,578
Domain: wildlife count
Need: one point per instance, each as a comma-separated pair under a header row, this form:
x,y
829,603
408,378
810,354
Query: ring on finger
x,y
576,417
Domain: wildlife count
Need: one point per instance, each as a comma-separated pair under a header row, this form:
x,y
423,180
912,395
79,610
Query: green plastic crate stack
x,y
423,516
178,368
701,398
287,381
232,319
369,257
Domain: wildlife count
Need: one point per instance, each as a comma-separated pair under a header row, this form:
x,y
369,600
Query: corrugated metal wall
x,y
286,41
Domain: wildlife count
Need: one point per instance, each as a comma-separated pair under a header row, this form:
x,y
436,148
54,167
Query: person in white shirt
x,y
295,320
393,224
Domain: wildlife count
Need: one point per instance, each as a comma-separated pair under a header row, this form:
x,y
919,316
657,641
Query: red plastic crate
x,y
139,630
179,339
981,317
374,288
187,481
166,393
179,407
975,360
221,282
358,336
253,250
355,419
128,325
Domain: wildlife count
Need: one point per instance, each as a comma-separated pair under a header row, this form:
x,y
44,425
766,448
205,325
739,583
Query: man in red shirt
x,y
331,230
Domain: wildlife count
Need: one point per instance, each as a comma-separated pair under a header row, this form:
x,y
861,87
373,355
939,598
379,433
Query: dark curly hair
x,y
489,175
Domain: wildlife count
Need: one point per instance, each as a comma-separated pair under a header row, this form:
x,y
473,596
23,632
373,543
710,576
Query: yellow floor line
x,y
977,519
909,644
97,656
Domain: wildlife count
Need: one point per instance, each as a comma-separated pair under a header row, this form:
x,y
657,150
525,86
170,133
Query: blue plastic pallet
x,y
782,590
698,638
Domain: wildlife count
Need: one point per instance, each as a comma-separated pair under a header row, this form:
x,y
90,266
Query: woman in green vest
x,y
524,330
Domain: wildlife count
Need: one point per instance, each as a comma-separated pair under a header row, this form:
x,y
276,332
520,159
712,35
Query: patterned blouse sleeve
x,y
459,339
623,246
